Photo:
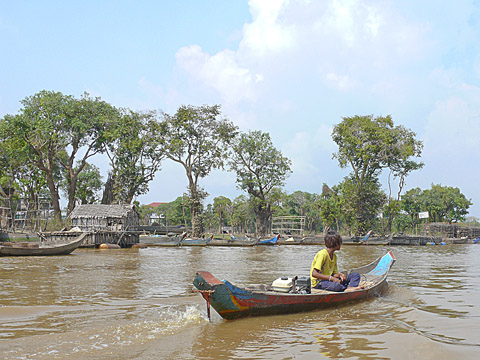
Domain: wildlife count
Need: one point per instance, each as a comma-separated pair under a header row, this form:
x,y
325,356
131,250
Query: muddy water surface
x,y
139,304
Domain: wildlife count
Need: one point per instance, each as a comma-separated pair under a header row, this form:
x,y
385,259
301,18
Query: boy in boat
x,y
324,273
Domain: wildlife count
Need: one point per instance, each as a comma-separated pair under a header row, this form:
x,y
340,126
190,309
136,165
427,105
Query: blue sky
x,y
290,68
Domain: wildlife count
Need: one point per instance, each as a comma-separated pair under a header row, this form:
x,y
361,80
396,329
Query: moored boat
x,y
233,241
272,241
161,240
232,302
290,240
41,248
186,241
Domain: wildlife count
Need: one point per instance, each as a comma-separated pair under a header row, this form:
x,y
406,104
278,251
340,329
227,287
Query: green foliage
x,y
259,168
198,139
38,133
133,147
49,132
445,203
243,214
89,184
220,206
369,144
411,204
330,207
302,203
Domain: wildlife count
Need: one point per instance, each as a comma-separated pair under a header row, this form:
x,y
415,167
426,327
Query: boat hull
x,y
63,249
233,302
272,241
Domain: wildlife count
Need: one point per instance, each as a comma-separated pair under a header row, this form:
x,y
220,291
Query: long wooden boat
x,y
233,302
233,241
195,241
161,240
42,248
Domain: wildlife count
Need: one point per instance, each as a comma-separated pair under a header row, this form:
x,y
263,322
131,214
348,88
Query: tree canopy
x,y
368,145
198,139
259,168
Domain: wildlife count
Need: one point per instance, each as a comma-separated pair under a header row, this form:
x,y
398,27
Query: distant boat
x,y
195,241
40,248
233,241
272,241
290,241
160,240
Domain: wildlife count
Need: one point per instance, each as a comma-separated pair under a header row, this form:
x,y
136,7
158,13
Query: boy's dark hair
x,y
332,239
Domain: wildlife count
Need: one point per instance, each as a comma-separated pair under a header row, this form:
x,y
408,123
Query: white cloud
x,y
265,34
233,82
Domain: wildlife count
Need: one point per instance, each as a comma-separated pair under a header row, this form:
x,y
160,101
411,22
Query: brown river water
x,y
139,304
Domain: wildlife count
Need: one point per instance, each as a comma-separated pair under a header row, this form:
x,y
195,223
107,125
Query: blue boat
x,y
272,241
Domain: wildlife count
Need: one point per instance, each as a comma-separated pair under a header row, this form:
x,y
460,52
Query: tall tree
x,y
39,130
411,204
241,213
59,129
89,183
85,123
198,139
259,168
133,147
369,144
330,208
220,206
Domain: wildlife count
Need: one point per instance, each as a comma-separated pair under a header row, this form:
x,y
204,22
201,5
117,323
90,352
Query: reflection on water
x,y
138,303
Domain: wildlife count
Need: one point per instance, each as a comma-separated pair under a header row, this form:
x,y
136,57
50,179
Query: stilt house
x,y
101,217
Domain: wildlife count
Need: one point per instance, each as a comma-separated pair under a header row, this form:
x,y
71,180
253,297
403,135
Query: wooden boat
x,y
272,241
233,241
195,241
160,240
290,241
233,302
41,248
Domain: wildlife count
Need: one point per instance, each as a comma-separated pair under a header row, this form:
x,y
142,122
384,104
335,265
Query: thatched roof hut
x,y
105,217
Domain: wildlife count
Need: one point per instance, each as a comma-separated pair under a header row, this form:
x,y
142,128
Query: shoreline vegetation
x,y
47,147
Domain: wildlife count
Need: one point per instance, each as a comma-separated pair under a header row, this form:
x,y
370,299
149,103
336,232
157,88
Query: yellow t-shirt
x,y
324,264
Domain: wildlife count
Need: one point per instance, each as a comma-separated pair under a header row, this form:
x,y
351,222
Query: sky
x,y
292,68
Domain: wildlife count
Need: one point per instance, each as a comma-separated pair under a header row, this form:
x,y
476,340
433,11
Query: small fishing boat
x,y
160,240
233,302
195,241
40,248
290,241
233,241
272,241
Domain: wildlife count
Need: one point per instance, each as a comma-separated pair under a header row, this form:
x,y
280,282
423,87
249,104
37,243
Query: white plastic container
x,y
283,284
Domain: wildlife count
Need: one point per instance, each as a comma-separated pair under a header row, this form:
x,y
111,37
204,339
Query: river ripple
x,y
138,304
